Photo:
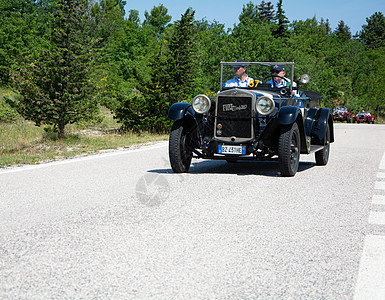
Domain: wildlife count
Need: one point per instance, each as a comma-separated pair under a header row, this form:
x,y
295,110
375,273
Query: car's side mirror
x,y
304,79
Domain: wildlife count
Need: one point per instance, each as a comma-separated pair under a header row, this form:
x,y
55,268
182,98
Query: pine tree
x,y
326,25
282,21
343,31
180,58
373,33
56,88
266,12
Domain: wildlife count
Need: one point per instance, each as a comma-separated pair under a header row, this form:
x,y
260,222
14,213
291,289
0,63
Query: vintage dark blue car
x,y
261,121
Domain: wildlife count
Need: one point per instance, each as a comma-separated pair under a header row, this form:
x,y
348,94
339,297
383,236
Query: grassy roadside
x,y
24,143
21,142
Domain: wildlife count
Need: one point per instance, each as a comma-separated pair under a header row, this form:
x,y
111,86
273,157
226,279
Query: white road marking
x,y
371,275
379,185
83,158
382,163
377,218
378,199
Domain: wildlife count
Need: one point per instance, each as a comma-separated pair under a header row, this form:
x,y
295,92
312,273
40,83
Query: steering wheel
x,y
272,77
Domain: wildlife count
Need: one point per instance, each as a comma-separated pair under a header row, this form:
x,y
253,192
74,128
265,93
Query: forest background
x,y
62,61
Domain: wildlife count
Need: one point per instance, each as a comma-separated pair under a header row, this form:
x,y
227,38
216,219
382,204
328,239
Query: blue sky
x,y
352,12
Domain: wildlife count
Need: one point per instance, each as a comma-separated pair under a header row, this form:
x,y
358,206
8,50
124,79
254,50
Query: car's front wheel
x,y
180,148
289,150
322,156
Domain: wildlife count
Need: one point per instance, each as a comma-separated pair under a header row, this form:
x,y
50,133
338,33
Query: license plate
x,y
225,149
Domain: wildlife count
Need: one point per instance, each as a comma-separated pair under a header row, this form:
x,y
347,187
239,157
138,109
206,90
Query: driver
x,y
278,73
241,79
279,82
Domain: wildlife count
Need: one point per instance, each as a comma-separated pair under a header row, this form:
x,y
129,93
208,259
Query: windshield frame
x,y
261,64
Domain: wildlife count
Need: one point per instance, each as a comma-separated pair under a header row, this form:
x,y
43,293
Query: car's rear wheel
x,y
289,150
180,148
322,156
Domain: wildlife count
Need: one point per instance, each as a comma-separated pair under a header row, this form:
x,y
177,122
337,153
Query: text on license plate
x,y
223,149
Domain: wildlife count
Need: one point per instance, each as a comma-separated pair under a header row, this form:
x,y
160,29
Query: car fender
x,y
316,124
178,110
184,111
288,115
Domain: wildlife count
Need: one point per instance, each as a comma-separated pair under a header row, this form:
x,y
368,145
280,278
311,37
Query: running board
x,y
315,148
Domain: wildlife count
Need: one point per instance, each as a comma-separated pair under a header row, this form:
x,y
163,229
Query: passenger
x,y
241,79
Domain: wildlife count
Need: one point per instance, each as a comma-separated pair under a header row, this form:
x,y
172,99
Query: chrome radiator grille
x,y
234,117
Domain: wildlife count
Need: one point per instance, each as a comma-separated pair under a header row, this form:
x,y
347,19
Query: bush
x,y
7,112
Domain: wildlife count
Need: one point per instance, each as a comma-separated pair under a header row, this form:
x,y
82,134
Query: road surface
x,y
122,225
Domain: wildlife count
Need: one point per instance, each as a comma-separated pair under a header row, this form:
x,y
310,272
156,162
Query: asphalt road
x,y
122,225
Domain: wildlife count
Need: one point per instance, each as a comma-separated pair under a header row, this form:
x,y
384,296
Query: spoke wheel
x,y
180,152
289,150
322,156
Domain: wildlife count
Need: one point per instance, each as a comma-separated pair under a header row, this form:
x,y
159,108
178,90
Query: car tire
x,y
179,152
348,120
289,149
322,156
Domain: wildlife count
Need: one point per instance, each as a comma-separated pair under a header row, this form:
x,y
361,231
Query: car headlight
x,y
304,79
201,104
265,105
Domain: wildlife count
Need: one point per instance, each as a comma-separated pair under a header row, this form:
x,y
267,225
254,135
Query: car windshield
x,y
257,75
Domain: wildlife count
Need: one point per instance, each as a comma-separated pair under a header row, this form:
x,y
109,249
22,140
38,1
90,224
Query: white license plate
x,y
226,149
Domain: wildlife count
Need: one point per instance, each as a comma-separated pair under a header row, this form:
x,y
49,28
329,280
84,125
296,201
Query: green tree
x,y
326,26
133,16
266,12
56,88
171,70
343,31
373,33
180,63
22,31
158,18
249,12
282,21
213,46
108,18
253,42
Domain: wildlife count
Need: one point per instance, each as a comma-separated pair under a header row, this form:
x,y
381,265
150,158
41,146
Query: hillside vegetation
x,y
67,64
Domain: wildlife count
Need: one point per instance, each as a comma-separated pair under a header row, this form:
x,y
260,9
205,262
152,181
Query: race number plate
x,y
227,149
